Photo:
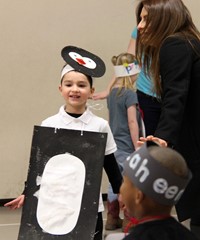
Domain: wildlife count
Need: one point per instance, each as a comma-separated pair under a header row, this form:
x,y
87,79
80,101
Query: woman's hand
x,y
159,141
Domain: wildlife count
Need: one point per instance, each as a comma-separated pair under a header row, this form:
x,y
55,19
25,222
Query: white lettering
x,y
171,192
134,161
143,169
160,185
179,195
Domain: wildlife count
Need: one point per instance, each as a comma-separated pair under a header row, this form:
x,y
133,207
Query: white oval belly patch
x,y
60,194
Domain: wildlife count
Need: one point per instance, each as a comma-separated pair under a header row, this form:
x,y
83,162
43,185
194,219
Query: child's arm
x,y
16,203
112,170
104,94
133,124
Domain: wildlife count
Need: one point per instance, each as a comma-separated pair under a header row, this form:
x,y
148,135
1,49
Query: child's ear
x,y
60,88
139,196
92,90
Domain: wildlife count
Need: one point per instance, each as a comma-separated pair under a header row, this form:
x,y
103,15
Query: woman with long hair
x,y
168,45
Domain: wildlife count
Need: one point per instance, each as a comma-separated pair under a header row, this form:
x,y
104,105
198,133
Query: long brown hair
x,y
166,18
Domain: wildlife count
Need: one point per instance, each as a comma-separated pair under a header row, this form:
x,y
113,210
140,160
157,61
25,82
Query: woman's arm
x,y
175,71
131,46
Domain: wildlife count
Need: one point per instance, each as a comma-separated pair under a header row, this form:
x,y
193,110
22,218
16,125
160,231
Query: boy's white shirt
x,y
86,122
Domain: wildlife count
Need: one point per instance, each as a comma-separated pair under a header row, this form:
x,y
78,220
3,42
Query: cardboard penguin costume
x,y
65,172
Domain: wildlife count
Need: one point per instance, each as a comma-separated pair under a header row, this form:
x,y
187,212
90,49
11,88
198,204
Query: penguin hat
x,y
83,61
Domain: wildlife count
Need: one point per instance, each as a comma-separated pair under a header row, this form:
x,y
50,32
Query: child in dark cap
x,y
154,179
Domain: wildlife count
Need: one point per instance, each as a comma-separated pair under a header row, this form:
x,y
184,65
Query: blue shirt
x,y
144,83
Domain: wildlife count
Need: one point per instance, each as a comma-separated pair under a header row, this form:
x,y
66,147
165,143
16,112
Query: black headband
x,y
152,178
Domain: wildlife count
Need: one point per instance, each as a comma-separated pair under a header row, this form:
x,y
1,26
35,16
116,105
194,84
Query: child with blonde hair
x,y
124,120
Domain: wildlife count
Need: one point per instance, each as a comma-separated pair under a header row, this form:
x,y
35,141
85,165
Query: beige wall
x,y
32,35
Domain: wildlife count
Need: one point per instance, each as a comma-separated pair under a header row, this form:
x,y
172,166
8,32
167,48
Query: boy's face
x,y
75,89
130,197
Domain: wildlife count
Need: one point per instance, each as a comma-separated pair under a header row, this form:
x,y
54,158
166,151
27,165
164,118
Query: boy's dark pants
x,y
99,227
